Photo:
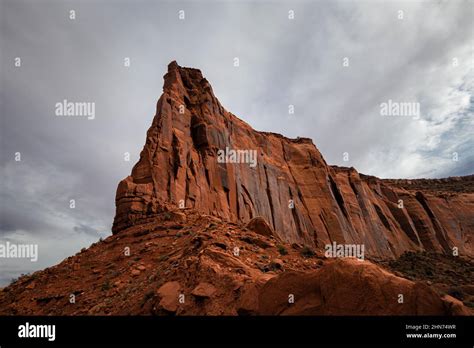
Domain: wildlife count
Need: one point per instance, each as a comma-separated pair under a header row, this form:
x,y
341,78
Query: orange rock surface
x,y
303,199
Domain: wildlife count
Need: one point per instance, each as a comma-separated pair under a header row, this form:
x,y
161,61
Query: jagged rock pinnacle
x,y
198,155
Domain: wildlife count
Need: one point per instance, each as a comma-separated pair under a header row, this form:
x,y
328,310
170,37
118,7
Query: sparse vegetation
x,y
282,250
106,286
273,266
307,252
147,296
456,293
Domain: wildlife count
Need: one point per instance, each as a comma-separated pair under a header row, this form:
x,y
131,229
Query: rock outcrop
x,y
350,287
198,155
192,268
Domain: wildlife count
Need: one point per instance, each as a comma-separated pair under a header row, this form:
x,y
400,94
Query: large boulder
x,y
351,287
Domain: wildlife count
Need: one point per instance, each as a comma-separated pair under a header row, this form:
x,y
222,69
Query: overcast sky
x,y
422,55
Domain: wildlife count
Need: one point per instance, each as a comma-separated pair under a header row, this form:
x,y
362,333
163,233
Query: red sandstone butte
x,y
182,215
179,166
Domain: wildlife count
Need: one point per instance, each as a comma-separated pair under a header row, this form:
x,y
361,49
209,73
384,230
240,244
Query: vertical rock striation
x,y
291,186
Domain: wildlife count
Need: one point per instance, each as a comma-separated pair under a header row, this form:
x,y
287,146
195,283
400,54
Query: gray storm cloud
x,y
424,57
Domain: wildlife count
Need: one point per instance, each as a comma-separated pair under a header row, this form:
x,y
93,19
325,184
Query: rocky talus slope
x,y
187,263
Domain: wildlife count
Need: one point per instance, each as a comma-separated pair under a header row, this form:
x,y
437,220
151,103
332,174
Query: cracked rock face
x,y
288,183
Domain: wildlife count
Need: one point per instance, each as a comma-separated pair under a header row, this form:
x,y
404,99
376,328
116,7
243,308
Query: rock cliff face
x,y
198,155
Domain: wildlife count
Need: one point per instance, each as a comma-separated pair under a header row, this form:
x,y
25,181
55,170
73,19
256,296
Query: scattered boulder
x,y
260,225
204,290
277,264
454,306
169,296
248,303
